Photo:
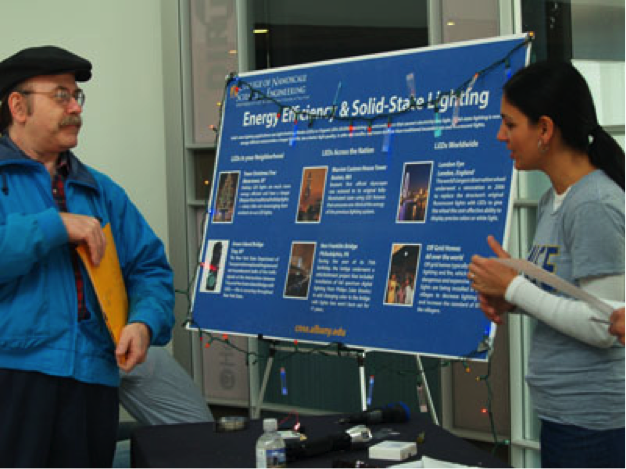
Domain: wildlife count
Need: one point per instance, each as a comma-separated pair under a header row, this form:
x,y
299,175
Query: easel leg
x,y
361,363
266,378
426,391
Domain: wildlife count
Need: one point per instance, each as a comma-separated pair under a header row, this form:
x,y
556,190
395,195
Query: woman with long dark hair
x,y
575,367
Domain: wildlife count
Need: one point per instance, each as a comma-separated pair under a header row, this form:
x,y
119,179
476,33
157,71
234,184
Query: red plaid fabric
x,y
58,192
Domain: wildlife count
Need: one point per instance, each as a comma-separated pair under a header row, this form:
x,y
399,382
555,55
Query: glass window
x,y
213,55
463,20
598,27
575,29
291,32
204,161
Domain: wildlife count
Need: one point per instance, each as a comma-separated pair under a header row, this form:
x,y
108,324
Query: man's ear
x,y
18,107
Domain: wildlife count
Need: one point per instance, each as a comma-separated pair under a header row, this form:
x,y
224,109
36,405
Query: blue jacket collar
x,y
10,153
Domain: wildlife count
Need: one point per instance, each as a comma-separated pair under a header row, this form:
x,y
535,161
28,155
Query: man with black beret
x,y
58,364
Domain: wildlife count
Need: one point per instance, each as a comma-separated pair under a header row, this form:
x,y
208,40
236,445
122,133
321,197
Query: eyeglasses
x,y
60,95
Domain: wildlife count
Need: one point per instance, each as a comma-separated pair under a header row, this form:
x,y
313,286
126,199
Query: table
x,y
199,445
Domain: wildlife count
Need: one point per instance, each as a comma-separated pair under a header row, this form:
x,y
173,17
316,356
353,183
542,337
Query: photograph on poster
x,y
226,196
402,273
414,192
311,195
300,270
214,263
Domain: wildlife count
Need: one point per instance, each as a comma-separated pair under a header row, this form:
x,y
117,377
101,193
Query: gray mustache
x,y
71,120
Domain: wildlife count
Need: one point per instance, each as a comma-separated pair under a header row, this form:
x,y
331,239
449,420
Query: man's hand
x,y
133,346
82,229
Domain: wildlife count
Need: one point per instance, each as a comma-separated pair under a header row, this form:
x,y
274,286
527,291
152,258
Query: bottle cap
x,y
270,425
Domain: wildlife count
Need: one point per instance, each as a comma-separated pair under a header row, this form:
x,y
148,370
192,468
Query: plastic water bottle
x,y
270,447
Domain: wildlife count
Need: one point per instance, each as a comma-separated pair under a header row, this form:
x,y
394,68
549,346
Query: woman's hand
x,y
494,307
487,275
491,279
617,324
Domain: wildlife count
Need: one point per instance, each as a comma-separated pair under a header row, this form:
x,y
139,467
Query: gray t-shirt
x,y
571,382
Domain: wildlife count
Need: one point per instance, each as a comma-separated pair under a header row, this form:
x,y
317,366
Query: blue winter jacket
x,y
39,330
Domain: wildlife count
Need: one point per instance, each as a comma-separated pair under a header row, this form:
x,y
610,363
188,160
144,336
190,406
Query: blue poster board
x,y
350,195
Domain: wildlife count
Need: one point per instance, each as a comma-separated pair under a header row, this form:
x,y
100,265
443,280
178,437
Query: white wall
x,y
123,135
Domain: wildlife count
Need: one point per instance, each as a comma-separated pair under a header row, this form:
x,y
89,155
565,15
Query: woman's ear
x,y
546,129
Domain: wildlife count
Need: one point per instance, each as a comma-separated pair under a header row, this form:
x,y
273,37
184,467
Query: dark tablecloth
x,y
199,445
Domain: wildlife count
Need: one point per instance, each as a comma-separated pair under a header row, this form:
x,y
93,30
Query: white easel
x,y
359,355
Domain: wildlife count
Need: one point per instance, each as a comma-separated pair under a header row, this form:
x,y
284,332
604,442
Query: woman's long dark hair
x,y
559,91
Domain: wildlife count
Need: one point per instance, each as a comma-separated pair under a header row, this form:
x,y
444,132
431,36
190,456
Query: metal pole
x,y
266,377
361,363
429,399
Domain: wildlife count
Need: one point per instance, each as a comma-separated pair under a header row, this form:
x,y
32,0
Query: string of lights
x,y
331,113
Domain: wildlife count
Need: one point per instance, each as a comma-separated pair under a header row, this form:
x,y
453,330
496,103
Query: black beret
x,y
44,60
